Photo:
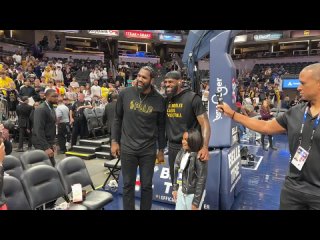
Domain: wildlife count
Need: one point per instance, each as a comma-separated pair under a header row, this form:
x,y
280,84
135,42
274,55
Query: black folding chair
x,y
114,167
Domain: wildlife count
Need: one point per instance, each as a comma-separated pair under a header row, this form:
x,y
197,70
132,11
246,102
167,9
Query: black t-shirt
x,y
139,121
308,179
79,114
182,111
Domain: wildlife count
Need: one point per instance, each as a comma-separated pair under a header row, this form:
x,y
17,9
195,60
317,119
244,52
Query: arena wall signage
x,y
267,36
170,38
290,83
305,33
137,34
241,38
109,33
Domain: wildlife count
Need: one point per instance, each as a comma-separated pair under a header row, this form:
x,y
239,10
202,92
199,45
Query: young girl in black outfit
x,y
190,173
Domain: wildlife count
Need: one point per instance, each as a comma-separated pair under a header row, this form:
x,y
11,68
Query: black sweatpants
x,y
23,132
79,128
63,135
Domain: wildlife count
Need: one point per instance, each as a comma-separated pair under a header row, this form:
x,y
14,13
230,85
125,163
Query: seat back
x,y
42,185
12,166
72,170
92,120
99,115
14,193
33,158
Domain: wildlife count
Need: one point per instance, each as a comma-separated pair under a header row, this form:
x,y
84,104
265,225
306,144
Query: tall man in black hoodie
x,y
184,111
139,127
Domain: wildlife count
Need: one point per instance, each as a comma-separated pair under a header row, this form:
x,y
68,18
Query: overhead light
x,y
132,42
294,41
84,38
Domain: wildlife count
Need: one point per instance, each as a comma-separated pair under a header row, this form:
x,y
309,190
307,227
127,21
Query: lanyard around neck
x,y
315,125
52,111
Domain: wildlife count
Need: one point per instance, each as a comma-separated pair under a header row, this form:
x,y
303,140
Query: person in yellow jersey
x,y
47,73
5,82
104,91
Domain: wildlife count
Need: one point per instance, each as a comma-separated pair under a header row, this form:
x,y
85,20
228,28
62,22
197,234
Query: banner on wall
x,y
170,38
305,33
66,31
109,33
290,83
137,34
267,36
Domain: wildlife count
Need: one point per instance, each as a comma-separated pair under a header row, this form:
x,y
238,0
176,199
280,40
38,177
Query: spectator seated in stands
x,y
248,109
286,102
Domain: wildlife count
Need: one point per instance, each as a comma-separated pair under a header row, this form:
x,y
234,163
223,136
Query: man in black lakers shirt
x,y
184,111
139,129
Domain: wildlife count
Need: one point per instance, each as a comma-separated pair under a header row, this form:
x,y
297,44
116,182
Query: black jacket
x,y
44,128
194,176
23,112
108,115
2,199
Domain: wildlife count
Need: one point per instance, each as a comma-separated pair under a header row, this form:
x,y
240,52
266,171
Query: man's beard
x,y
142,88
172,93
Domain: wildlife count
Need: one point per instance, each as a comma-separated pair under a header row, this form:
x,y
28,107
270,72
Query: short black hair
x,y
151,70
24,98
194,140
173,75
50,92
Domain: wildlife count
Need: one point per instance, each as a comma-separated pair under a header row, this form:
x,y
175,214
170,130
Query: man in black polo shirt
x,y
301,189
78,120
184,111
138,127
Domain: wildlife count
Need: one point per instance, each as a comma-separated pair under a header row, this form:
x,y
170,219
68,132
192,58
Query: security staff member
x,y
301,188
23,112
44,130
78,120
108,115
